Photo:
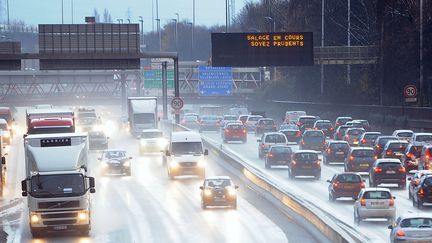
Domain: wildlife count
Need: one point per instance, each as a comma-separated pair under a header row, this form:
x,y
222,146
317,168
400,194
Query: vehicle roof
x,y
348,173
185,136
218,178
343,117
307,116
273,133
361,148
4,108
3,121
373,133
280,145
415,215
55,121
295,112
401,130
306,151
360,120
354,122
48,111
370,189
344,126
323,121
266,118
337,141
422,133
151,130
114,150
397,141
255,116
229,116
388,160
355,128
387,136
56,135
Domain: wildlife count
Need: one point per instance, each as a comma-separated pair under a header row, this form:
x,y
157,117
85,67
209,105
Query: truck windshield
x,y
151,135
3,126
144,118
186,148
86,115
45,130
71,185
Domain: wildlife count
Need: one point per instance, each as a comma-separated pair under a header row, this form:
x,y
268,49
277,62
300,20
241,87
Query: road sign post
x,y
177,103
410,93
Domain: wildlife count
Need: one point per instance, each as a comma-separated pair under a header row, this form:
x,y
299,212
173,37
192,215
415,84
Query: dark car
x,y
360,159
340,132
365,124
394,149
291,132
98,140
218,191
243,118
354,124
305,163
425,162
278,155
325,126
353,134
265,125
341,121
226,119
190,121
346,184
367,139
411,157
414,181
389,171
234,132
115,162
380,142
267,140
313,139
209,123
306,122
423,192
337,151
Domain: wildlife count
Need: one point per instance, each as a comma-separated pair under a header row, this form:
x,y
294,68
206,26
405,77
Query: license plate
x,y
398,154
340,153
364,165
282,162
60,227
377,203
349,187
391,172
307,166
235,136
219,199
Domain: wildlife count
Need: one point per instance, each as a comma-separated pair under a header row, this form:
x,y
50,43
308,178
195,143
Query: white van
x,y
185,155
292,116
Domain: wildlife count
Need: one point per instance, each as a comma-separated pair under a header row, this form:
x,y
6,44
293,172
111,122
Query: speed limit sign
x,y
177,103
410,91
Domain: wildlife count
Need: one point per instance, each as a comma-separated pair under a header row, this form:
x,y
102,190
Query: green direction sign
x,y
153,78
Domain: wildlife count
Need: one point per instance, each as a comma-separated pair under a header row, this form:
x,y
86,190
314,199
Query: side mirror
x,y
205,151
390,227
92,190
24,188
99,158
394,197
130,157
320,160
328,181
201,187
138,137
3,160
236,187
259,140
91,182
167,153
409,178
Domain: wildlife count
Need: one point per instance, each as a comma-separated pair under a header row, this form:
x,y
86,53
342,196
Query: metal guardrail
x,y
346,54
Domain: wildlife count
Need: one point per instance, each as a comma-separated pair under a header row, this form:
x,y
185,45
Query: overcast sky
x,y
208,12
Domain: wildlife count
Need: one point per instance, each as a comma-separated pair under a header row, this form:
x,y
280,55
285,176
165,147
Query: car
x,y
5,131
306,122
359,159
411,157
412,227
353,134
238,110
403,134
265,125
346,184
394,149
374,203
314,140
341,120
414,180
115,162
325,126
251,122
354,124
291,132
227,118
422,193
190,121
305,163
209,123
278,155
340,132
425,161
365,124
389,171
421,138
367,139
243,118
234,132
268,139
380,142
337,151
97,140
218,191
152,140
292,116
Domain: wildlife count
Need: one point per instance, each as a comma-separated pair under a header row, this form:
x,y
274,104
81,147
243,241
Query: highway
x,y
149,207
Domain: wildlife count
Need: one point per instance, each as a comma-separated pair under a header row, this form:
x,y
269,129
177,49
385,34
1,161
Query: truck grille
x,y
59,204
188,164
59,222
58,215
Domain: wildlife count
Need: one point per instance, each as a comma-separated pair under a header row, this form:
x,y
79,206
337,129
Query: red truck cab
x,y
51,125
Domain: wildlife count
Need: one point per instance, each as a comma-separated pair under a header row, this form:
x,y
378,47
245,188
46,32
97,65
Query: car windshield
x,y
383,141
324,125
289,126
363,153
151,134
344,120
306,157
266,122
424,138
339,146
389,164
230,118
186,148
428,182
371,137
71,185
142,118
115,154
416,223
209,118
342,130
308,120
235,126
190,118
7,117
97,135
355,132
254,118
349,178
398,146
314,134
3,126
87,115
275,138
377,195
217,183
281,150
405,134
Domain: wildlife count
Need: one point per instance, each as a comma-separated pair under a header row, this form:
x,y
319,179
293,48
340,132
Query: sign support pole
x,y
164,90
176,86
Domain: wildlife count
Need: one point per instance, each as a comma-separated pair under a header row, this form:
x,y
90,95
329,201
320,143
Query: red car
x,y
234,132
346,184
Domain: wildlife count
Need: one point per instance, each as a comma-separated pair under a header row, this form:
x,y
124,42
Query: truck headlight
x,y
34,219
127,163
174,164
231,191
201,163
83,215
104,165
6,134
207,192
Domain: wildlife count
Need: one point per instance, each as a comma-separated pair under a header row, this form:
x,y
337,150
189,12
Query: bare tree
x,y
96,15
107,16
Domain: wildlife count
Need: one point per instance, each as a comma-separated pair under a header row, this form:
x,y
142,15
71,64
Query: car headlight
x,y
231,191
207,192
97,128
201,163
6,134
162,143
34,219
127,163
143,143
174,164
104,165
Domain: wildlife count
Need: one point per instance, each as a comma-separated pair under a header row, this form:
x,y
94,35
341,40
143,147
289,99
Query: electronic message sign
x,y
262,49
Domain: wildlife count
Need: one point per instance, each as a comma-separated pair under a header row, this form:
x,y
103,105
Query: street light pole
x,y
226,16
62,11
142,30
159,34
274,22
8,19
175,34
421,55
349,41
72,10
193,28
322,45
191,48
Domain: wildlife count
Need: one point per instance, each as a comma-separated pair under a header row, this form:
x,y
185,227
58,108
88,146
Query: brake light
x,y
226,130
270,155
331,129
391,202
389,152
335,184
377,170
298,134
244,131
347,136
303,142
421,192
400,233
402,169
318,162
410,155
363,202
362,185
328,150
427,156
363,141
351,157
293,162
262,145
375,157
378,146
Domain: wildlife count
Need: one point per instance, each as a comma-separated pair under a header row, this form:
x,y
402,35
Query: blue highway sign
x,y
215,81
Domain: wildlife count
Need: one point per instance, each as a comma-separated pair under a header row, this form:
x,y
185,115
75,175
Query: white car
x,y
374,202
152,140
5,131
403,134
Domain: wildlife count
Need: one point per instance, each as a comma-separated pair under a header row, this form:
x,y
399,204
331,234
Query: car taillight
x,y
328,150
427,156
331,128
400,233
421,192
363,202
293,162
351,157
270,155
363,141
298,134
346,136
391,202
362,185
377,170
226,131
389,152
335,184
318,162
378,146
375,157
303,142
402,169
244,131
410,155
262,145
